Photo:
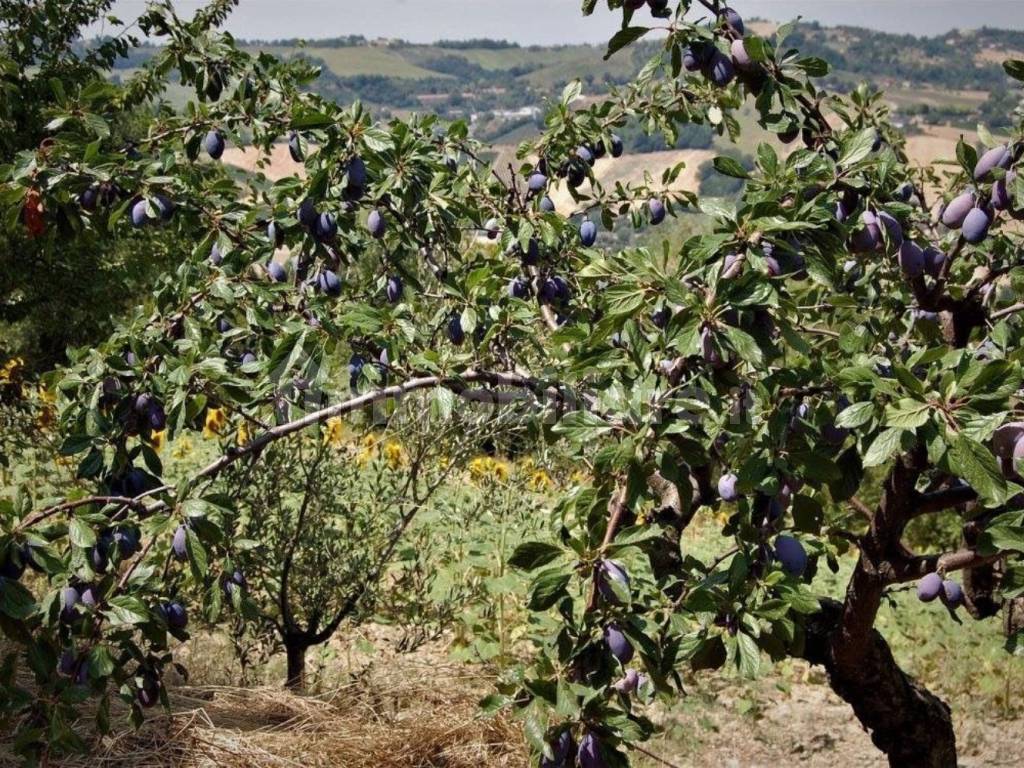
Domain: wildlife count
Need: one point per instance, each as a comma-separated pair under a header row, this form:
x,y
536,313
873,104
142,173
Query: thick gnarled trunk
x,y
906,721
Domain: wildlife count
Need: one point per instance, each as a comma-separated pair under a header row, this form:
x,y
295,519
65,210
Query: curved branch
x,y
936,501
947,562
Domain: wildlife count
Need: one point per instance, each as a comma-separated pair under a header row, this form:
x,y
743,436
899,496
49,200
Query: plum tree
x,y
747,377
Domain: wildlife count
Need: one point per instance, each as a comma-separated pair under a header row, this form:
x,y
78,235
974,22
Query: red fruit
x,y
32,214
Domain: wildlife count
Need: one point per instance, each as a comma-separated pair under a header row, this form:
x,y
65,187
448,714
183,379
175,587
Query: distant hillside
x,y
954,79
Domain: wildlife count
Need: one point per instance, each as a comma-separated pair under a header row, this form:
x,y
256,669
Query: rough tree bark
x,y
295,651
912,726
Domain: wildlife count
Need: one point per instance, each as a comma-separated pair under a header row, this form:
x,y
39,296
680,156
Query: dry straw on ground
x,y
405,718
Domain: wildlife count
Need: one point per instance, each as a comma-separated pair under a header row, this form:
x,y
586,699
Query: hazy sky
x,y
559,21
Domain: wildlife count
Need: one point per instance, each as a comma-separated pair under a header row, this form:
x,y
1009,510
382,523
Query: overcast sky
x,y
559,21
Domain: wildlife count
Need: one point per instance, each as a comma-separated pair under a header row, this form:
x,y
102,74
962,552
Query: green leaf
x,y
856,415
547,588
531,555
748,655
125,609
1014,68
580,426
799,597
858,147
975,463
81,533
728,166
15,600
624,37
907,414
883,447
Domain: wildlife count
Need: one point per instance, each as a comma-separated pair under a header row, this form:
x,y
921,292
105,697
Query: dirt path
x,y
779,722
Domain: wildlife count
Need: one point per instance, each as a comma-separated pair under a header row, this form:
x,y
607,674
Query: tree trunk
x,y
906,721
296,652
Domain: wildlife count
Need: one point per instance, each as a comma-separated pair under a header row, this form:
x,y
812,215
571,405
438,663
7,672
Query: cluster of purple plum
x,y
972,212
768,512
566,753
717,66
321,226
932,585
613,586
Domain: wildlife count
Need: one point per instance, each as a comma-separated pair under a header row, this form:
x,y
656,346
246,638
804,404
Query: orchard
x,y
836,358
